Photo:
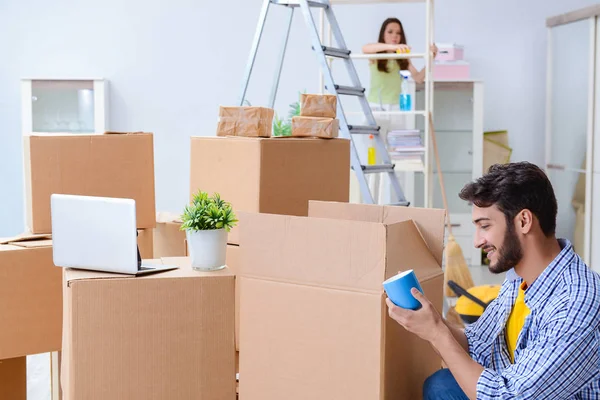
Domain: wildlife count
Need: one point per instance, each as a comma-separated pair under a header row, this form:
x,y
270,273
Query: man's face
x,y
497,238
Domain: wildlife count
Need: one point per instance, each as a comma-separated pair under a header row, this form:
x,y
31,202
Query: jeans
x,y
442,386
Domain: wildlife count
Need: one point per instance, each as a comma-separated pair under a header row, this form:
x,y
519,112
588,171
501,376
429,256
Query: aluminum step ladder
x,y
322,52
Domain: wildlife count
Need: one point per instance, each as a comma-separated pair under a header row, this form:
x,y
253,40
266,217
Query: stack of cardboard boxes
x,y
122,337
31,308
317,117
112,165
267,175
301,300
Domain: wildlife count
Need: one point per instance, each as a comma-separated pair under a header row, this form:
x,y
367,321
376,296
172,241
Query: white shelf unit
x,y
572,126
426,106
458,120
64,105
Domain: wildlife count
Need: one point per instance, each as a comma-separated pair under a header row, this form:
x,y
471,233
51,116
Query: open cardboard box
x,y
313,318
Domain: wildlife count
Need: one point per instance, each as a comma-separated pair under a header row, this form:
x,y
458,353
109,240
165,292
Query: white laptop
x,y
97,233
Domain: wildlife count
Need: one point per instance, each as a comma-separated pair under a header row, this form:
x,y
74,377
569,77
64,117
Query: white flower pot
x,y
207,249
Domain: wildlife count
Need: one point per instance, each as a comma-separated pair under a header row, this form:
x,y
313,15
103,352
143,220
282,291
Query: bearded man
x,y
540,338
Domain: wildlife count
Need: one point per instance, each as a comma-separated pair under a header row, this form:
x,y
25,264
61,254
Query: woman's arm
x,y
419,76
372,48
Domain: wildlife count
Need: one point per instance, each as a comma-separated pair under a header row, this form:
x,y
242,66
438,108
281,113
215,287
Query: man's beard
x,y
510,254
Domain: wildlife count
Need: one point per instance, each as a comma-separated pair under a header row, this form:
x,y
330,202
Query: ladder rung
x,y
400,204
333,52
376,169
296,3
364,129
349,90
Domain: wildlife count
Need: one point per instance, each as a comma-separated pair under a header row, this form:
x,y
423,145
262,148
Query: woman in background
x,y
385,89
385,74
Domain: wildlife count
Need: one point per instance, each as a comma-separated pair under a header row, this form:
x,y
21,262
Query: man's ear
x,y
524,221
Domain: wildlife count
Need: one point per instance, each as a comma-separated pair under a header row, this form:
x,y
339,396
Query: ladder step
x,y
349,90
364,129
296,3
333,52
400,204
376,169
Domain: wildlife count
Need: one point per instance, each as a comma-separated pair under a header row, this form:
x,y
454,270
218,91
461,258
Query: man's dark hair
x,y
512,188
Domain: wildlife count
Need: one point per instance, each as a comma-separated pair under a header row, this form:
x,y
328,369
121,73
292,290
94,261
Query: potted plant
x,y
206,221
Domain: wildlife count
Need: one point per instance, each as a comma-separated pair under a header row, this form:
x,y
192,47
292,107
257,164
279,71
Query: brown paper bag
x,y
245,121
315,127
318,105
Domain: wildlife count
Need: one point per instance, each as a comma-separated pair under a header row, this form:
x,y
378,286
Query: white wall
x,y
171,63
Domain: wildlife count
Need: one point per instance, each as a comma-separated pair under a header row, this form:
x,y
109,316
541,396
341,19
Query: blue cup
x,y
398,290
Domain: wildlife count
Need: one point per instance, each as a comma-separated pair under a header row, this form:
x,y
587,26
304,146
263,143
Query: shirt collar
x,y
541,287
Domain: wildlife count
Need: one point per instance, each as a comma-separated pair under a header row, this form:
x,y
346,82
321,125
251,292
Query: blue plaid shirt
x,y
557,354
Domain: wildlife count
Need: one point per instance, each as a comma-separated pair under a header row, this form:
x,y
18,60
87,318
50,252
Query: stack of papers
x,y
405,144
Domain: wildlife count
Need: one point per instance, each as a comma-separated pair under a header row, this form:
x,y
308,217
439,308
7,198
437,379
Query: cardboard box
x,y
233,262
275,175
30,297
163,336
145,243
313,318
451,70
245,121
450,52
169,239
108,165
318,105
326,128
13,379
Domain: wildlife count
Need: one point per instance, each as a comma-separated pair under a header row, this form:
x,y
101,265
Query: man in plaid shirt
x,y
540,338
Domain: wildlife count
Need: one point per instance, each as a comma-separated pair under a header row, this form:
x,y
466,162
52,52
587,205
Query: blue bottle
x,y
405,99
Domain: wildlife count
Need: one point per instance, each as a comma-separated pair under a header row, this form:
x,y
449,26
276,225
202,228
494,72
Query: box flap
x,y
430,221
128,133
166,217
332,253
9,247
25,237
72,275
34,244
184,271
407,250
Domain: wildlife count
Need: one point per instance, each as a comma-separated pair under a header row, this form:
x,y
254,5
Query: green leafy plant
x,y
283,127
294,110
207,213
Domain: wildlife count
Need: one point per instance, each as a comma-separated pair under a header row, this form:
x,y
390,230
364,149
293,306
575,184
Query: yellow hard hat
x,y
470,309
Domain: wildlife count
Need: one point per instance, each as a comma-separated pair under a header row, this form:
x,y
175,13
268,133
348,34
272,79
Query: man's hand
x,y
425,322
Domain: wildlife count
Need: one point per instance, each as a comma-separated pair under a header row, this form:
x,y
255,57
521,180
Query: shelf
x,y
423,113
296,3
451,172
407,166
391,113
558,167
374,1
388,56
469,131
460,84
